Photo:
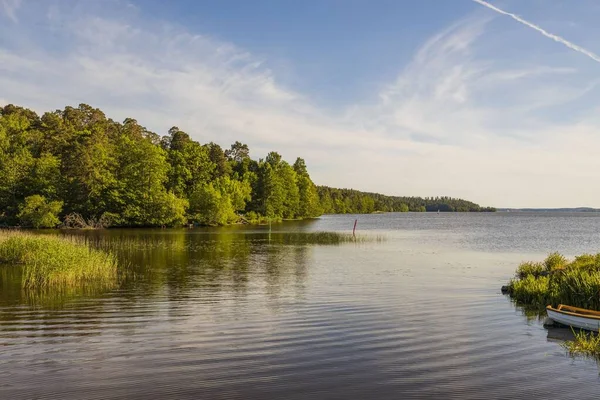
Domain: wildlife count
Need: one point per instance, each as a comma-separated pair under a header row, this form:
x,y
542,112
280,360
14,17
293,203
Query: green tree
x,y
217,157
309,205
238,152
291,195
242,167
36,212
239,192
210,206
142,174
270,188
15,168
189,162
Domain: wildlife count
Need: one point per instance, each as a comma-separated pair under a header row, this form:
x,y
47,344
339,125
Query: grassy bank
x,y
54,262
558,280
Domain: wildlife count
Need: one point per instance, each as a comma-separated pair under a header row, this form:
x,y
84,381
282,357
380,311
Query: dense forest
x,y
79,162
78,168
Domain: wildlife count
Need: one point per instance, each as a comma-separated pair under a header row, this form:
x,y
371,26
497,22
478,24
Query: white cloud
x,y
454,122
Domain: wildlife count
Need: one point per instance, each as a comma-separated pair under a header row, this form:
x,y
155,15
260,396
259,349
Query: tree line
x,y
77,161
77,167
350,201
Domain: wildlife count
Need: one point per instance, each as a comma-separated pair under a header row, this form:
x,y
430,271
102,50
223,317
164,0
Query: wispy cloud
x,y
533,26
456,121
10,8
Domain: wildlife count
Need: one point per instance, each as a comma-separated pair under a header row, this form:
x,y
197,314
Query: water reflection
x,y
531,313
559,334
176,263
176,268
555,332
215,313
13,293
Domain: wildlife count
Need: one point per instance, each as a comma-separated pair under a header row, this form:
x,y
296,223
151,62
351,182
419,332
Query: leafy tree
x,y
270,188
242,167
165,208
238,152
309,205
36,212
15,168
239,192
291,195
327,203
210,206
143,198
217,157
178,139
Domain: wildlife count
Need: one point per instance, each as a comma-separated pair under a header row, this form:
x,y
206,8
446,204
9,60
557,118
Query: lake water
x,y
237,313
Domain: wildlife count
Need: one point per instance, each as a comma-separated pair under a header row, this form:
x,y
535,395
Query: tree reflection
x,y
206,265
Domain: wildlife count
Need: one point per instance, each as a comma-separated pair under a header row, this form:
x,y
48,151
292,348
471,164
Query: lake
x,y
238,313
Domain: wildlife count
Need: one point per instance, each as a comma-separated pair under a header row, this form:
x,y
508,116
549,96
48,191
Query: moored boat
x,y
575,317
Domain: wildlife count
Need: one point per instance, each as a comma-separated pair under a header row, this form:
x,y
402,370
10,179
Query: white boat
x,y
575,317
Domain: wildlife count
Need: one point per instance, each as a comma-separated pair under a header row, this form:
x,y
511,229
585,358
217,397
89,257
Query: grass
x,y
585,344
557,280
55,262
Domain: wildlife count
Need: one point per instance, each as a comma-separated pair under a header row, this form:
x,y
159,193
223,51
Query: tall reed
x,y
576,282
52,261
585,344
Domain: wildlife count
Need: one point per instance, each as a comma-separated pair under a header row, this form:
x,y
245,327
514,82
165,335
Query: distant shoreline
x,y
574,209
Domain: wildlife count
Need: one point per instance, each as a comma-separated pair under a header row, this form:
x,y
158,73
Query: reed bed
x,y
322,238
120,244
53,262
585,344
557,280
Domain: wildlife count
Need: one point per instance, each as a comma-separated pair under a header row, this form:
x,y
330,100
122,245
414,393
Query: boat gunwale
x,y
589,314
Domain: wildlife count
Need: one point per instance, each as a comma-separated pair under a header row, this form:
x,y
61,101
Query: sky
x,y
402,97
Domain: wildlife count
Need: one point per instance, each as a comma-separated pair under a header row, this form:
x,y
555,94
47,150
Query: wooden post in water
x,y
354,229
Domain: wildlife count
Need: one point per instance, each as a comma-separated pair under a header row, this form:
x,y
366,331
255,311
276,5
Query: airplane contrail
x,y
552,36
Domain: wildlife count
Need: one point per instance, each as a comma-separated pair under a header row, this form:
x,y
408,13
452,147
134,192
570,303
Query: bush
x,y
530,268
530,290
36,212
555,261
209,205
557,281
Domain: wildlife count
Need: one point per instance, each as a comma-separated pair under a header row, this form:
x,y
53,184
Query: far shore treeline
x,y
76,167
349,201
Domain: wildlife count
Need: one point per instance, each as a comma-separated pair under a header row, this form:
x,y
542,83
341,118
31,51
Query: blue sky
x,y
405,97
